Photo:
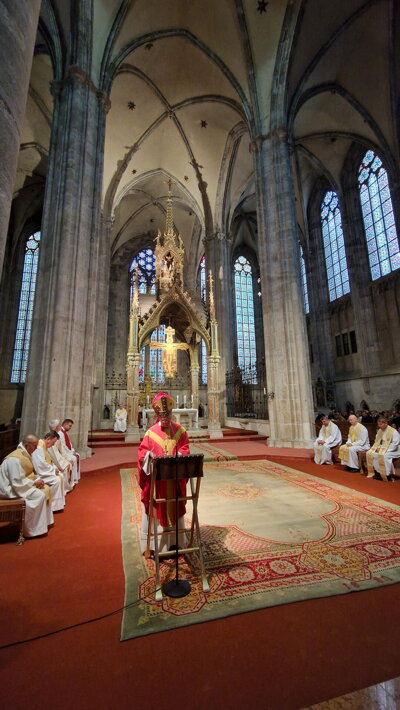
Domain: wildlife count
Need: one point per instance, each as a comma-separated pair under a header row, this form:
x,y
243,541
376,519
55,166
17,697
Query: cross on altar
x,y
169,350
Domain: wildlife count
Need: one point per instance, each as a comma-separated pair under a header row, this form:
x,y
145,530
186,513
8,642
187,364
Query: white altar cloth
x,y
189,418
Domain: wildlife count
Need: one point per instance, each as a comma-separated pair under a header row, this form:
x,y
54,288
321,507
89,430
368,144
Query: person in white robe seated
x,y
120,418
68,450
18,480
46,469
329,436
358,440
384,450
61,462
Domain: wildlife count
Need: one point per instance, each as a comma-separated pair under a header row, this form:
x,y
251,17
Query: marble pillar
x,y
18,21
60,372
286,346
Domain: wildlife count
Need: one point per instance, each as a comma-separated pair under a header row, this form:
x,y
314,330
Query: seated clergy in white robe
x,y
14,483
358,440
328,437
120,418
61,462
68,450
384,450
45,468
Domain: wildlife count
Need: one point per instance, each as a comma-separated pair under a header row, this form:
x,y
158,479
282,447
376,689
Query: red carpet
x,y
283,657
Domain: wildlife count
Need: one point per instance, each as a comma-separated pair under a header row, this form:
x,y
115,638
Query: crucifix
x,y
169,350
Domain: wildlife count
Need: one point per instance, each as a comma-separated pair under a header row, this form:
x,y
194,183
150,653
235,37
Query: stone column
x,y
213,397
60,373
18,23
217,252
194,376
287,361
101,319
320,326
132,397
132,371
213,373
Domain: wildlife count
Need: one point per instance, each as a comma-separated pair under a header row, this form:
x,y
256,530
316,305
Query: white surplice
x,y
70,454
361,444
392,452
14,484
63,464
331,439
47,473
120,420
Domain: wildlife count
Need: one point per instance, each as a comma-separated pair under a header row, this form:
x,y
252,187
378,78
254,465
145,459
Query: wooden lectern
x,y
168,468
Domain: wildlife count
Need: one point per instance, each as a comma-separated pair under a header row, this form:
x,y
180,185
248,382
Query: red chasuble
x,y
163,442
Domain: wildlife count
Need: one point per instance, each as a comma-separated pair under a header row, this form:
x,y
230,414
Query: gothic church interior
x,y
273,122
266,135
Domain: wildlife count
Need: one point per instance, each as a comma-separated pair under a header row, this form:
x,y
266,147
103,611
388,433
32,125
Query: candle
x,y
177,400
184,400
192,400
148,400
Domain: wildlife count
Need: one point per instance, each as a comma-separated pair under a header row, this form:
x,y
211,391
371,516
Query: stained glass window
x,y
245,331
156,369
335,254
25,310
377,211
203,362
202,278
145,264
304,281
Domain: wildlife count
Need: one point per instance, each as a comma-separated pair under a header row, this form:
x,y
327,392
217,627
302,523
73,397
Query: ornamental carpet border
x,y
271,535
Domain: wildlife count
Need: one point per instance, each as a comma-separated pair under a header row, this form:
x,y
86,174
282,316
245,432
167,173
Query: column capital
x,y
76,75
280,133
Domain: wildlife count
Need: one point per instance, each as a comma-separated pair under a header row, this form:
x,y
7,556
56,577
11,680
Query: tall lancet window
x,y
377,211
145,265
203,362
156,369
335,254
25,310
202,278
203,348
245,331
304,281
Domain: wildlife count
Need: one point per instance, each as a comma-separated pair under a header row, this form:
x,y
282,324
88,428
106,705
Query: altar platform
x,y
111,452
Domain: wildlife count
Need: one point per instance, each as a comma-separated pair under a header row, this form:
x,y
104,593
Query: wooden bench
x,y
12,510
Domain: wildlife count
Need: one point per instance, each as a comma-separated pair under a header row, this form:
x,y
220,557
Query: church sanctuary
x,y
200,354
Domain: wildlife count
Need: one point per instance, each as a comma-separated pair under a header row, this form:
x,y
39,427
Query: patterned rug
x,y
271,535
211,452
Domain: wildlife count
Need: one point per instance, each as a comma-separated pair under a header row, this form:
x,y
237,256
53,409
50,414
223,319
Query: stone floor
x,y
384,696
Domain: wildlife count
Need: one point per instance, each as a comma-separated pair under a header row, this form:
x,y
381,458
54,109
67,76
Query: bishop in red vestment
x,y
165,437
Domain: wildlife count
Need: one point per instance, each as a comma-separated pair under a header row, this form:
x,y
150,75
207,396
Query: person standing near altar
x,y
18,480
120,418
329,436
384,450
164,438
358,440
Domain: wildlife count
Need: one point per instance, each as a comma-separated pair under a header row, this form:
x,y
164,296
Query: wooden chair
x,y
169,468
12,510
